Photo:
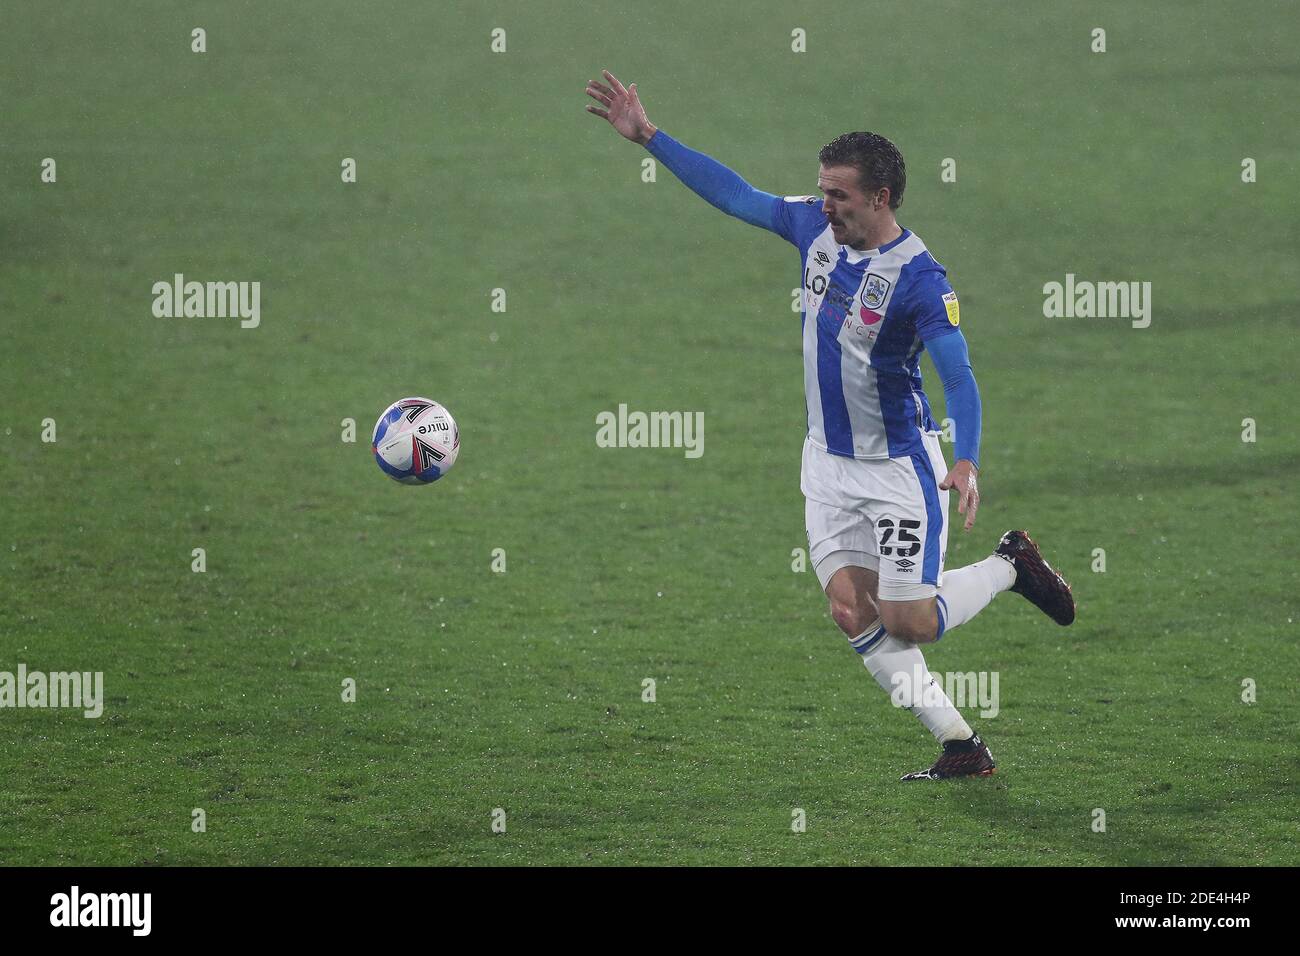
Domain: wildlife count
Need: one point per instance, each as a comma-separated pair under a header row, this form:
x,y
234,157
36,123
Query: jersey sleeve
x,y
791,218
798,220
933,305
713,182
961,394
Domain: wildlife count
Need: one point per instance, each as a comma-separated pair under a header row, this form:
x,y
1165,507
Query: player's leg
x,y
912,528
843,552
909,514
898,663
841,545
841,542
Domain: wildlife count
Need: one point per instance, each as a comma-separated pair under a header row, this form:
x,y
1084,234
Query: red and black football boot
x,y
1037,580
960,758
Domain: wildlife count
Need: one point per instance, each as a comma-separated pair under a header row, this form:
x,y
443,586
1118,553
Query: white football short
x,y
887,515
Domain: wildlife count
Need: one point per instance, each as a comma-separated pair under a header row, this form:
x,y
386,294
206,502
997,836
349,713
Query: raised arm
x,y
705,176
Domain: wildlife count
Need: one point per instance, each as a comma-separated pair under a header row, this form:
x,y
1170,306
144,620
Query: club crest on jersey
x,y
954,311
874,291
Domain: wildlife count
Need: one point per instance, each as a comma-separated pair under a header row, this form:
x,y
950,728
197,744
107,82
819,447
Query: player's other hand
x,y
622,107
962,477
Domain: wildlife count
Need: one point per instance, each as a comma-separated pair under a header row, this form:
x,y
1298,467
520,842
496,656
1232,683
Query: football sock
x,y
899,667
967,591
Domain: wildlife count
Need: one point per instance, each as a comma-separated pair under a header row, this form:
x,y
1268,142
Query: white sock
x,y
899,667
967,591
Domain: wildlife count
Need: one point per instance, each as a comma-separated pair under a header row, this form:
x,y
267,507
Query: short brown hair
x,y
878,161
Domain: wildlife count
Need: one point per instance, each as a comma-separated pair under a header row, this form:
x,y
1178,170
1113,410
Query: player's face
x,y
851,212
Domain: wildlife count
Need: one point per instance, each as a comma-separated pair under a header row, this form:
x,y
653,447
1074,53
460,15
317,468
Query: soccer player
x,y
876,509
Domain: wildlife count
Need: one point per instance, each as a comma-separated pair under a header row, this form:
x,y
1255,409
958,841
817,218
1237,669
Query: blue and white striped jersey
x,y
866,317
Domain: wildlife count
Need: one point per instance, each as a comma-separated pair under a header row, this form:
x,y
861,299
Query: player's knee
x,y
854,619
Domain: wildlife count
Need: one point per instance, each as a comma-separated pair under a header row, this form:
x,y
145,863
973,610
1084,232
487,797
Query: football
x,y
416,441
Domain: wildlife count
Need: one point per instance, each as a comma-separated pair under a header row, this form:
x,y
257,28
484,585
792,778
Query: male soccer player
x,y
876,511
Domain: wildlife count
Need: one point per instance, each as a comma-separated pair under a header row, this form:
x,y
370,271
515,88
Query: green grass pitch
x,y
523,690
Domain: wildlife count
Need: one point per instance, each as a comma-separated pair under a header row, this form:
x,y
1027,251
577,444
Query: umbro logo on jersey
x,y
823,258
905,564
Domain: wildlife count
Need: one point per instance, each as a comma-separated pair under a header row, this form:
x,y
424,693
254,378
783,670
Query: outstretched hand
x,y
962,477
622,108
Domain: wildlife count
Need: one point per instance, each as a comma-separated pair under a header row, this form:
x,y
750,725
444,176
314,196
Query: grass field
x,y
522,690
